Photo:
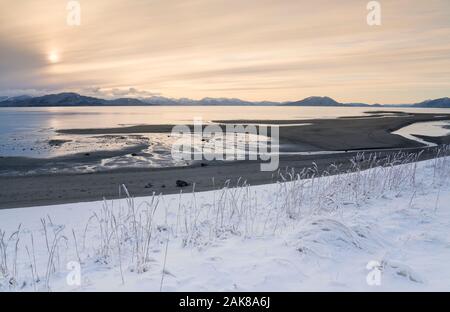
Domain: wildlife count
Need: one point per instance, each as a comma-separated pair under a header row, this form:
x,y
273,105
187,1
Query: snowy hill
x,y
438,103
65,99
315,101
75,99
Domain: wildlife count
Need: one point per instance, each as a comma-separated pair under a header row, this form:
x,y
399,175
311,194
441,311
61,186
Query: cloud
x,y
114,93
253,49
18,92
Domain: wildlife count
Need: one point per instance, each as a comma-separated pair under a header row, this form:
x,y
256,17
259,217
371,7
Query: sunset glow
x,y
253,50
53,57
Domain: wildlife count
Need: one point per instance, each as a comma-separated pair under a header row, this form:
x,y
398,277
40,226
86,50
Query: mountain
x,y
231,102
75,99
126,102
13,99
222,101
66,99
315,101
325,101
437,103
159,100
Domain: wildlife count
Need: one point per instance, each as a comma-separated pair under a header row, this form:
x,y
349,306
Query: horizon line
x,y
141,98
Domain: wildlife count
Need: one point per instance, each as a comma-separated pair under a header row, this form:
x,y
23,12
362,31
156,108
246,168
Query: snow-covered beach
x,y
382,229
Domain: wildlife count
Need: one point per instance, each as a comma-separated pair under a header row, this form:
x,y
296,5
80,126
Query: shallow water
x,y
430,128
31,132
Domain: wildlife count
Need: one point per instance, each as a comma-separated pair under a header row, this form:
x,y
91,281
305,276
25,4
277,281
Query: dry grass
x,y
124,236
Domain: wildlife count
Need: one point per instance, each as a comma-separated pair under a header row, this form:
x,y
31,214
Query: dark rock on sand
x,y
353,135
57,143
32,190
181,183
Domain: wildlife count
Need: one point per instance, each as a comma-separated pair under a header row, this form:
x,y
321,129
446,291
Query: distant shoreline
x,y
70,99
381,106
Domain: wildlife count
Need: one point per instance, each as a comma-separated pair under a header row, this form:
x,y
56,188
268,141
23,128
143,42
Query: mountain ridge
x,y
74,99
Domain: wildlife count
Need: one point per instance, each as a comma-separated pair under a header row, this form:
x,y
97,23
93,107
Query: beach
x,y
345,136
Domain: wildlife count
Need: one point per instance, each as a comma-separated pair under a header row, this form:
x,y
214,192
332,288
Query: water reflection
x,y
29,132
430,128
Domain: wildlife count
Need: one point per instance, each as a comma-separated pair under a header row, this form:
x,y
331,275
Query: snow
x,y
316,234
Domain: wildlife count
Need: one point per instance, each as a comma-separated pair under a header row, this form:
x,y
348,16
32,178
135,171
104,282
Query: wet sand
x,y
49,189
372,134
25,164
352,133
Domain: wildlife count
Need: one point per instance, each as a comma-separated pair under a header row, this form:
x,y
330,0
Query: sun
x,y
53,57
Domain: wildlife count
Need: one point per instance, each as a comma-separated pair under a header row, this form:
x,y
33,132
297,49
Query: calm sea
x,y
27,131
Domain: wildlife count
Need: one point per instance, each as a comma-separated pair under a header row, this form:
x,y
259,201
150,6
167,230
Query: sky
x,y
275,50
